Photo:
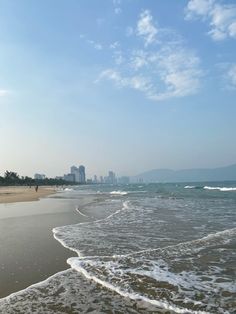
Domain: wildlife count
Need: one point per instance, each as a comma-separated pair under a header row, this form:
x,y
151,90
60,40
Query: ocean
x,y
142,248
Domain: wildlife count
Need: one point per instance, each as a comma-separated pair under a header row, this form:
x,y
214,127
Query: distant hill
x,y
188,175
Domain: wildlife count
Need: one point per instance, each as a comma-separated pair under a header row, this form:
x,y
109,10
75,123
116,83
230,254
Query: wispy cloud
x,y
94,44
160,69
231,75
137,82
220,17
114,45
117,6
146,28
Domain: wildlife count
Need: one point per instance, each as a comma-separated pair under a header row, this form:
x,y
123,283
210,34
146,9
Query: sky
x,y
120,85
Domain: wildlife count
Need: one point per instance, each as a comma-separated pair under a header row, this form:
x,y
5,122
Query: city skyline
x,y
121,85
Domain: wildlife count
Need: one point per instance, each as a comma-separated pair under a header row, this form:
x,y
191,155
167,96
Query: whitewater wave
x,y
78,265
219,188
68,189
222,189
125,273
194,246
182,277
190,187
82,214
118,193
67,235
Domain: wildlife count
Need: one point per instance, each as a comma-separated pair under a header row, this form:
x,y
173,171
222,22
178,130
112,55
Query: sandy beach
x,y
12,194
28,251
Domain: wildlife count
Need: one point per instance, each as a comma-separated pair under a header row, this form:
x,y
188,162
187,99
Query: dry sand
x,y
13,194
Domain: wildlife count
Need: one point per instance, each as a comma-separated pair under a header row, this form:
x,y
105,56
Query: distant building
x,y
75,171
70,177
82,177
95,179
38,176
111,179
101,179
79,173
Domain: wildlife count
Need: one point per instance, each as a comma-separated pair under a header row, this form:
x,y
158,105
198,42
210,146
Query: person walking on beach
x,y
36,188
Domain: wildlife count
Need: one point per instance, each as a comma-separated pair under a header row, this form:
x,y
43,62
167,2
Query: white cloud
x,y
118,57
198,7
114,45
179,71
221,18
170,73
231,75
137,82
98,46
117,8
94,44
232,29
139,59
162,70
146,28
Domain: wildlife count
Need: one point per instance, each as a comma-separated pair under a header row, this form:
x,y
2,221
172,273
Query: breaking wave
x,y
118,193
222,189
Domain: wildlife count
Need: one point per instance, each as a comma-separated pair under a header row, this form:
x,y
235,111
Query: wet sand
x,y
28,251
12,194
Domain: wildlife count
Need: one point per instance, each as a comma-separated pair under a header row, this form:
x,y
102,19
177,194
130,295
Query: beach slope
x,y
13,194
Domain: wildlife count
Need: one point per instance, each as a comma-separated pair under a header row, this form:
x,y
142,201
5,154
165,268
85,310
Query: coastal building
x,y
70,177
95,179
75,171
38,176
111,178
79,174
82,177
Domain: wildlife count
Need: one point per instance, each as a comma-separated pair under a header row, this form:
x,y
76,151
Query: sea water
x,y
144,248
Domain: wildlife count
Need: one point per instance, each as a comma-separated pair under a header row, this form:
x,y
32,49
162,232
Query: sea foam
x,y
222,189
118,193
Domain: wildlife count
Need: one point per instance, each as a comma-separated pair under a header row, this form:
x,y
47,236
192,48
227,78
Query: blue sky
x,y
124,85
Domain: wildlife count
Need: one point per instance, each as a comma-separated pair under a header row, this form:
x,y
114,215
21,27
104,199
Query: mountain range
x,y
227,173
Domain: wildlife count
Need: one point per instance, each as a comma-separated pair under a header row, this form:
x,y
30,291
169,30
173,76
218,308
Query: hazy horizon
x,y
117,85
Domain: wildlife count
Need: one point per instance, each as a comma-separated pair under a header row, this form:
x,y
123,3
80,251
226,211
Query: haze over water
x,y
144,248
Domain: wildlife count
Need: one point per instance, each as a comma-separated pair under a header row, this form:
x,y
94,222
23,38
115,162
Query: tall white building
x,y
75,171
82,177
79,173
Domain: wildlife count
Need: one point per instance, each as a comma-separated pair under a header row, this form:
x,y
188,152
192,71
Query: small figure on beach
x,y
36,188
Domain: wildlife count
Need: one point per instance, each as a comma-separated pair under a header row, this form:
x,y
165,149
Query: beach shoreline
x,y
15,194
29,252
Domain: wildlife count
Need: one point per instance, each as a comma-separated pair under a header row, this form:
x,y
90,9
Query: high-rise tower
x,y
82,177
